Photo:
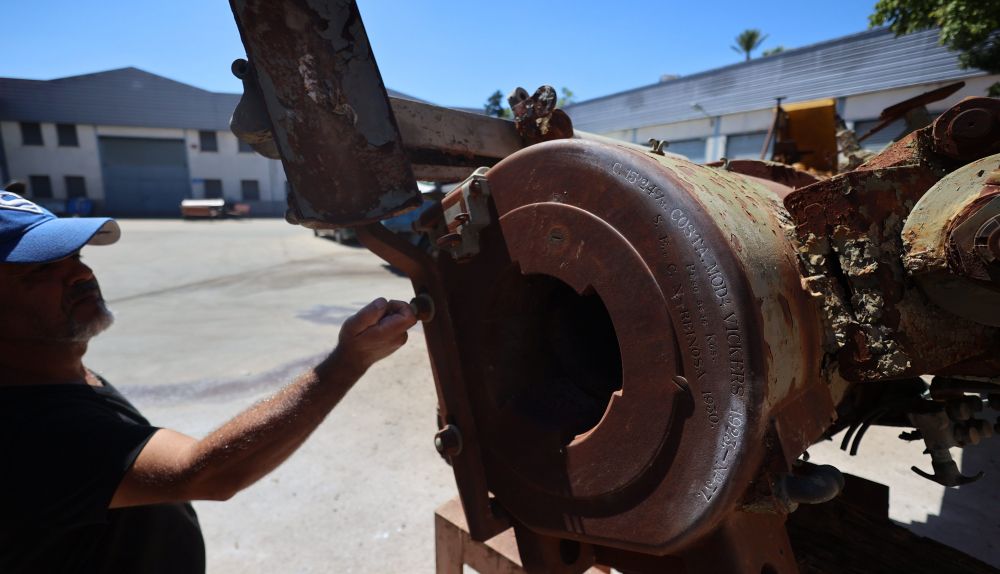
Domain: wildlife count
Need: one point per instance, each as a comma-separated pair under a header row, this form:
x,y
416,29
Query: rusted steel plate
x,y
329,111
640,423
450,373
430,128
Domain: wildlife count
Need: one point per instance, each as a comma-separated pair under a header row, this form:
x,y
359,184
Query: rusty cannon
x,y
633,352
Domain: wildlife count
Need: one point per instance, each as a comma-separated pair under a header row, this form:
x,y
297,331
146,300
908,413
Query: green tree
x,y
566,98
494,106
970,27
748,41
772,51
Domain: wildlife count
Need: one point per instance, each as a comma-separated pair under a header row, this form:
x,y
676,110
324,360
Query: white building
x,y
132,142
726,112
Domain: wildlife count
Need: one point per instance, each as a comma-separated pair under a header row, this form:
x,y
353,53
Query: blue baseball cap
x,y
29,233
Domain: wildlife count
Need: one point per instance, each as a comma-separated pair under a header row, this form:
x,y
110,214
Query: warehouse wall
x,y
228,164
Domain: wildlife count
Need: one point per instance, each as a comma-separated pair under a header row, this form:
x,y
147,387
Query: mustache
x,y
84,288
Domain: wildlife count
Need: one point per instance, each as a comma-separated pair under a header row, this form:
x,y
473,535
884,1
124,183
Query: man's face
x,y
56,302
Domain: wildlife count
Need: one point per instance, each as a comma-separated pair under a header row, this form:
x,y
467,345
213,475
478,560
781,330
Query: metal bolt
x,y
423,307
963,408
240,68
968,130
958,411
449,241
971,124
983,428
967,435
448,441
657,146
973,432
476,186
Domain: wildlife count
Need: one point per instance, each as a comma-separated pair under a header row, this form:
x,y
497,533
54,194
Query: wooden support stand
x,y
454,548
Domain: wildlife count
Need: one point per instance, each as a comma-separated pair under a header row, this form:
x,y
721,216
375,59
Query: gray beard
x,y
81,332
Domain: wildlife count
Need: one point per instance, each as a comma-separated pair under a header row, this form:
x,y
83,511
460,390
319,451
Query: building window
x,y
213,188
747,146
881,138
76,186
243,146
67,135
250,189
40,186
208,141
31,133
693,149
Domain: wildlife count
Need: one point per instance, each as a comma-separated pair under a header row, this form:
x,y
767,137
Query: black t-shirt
x,y
63,451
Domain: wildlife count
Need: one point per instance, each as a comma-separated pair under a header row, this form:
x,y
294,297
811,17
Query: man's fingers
x,y
401,339
368,316
396,323
399,307
398,315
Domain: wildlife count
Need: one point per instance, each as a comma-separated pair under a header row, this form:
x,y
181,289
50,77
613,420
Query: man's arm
x,y
173,467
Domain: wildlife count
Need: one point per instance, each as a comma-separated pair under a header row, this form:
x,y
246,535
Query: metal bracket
x,y
466,211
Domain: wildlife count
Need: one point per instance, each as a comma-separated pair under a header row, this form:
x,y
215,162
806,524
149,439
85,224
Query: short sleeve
x,y
67,454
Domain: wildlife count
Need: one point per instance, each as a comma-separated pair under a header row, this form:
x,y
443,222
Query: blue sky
x,y
449,52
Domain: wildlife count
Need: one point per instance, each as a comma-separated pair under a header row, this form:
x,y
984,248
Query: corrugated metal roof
x,y
866,62
122,97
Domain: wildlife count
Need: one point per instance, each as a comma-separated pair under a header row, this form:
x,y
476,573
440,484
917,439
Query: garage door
x,y
144,177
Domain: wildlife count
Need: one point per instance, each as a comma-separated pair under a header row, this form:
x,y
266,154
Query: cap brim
x,y
59,238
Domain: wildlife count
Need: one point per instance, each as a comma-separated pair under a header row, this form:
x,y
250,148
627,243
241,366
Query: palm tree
x,y
748,41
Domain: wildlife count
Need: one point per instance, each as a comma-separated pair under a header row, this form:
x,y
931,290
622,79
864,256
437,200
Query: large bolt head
x,y
448,441
968,130
972,124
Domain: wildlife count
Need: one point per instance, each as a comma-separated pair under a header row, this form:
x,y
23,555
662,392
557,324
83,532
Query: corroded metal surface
x,y
641,348
630,359
949,239
969,130
328,110
851,248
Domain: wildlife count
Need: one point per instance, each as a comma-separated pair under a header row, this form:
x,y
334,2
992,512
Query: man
x,y
86,483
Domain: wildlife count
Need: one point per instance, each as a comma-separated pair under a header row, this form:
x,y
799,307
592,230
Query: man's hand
x,y
374,333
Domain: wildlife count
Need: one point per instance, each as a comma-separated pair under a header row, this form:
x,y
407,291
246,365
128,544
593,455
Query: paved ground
x,y
212,316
